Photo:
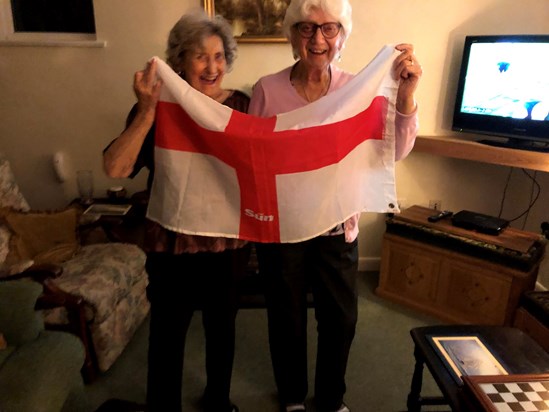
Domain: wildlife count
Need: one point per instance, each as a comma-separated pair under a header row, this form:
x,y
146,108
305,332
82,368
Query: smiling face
x,y
317,52
205,67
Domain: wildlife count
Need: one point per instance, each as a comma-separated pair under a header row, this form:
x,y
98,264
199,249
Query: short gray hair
x,y
298,10
191,30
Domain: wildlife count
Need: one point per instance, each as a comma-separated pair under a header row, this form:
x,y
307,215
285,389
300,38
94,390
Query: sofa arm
x,y
19,322
50,296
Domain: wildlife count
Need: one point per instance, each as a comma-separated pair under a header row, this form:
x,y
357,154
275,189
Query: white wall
x,y
76,99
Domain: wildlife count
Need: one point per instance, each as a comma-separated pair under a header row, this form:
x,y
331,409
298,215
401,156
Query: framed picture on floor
x,y
466,355
253,21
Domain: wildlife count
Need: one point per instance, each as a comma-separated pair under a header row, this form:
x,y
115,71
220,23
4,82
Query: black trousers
x,y
178,285
329,266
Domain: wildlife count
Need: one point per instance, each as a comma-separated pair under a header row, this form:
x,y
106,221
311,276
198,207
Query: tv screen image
x,y
503,89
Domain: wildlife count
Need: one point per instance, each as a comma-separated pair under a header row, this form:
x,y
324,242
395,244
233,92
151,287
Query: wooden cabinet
x,y
532,317
425,268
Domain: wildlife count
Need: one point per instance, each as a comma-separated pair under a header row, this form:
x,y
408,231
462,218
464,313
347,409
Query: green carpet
x,y
378,374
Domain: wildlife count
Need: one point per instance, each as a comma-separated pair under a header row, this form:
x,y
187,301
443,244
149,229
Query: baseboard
x,y
366,264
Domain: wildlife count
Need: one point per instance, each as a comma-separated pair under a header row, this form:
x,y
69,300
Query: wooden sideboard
x,y
457,275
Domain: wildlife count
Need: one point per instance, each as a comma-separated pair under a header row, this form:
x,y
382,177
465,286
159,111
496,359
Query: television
x,y
503,90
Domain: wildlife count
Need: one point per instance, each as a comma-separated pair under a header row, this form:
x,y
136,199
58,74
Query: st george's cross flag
x,y
288,178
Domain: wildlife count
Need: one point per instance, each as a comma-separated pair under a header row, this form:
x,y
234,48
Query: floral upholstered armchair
x,y
101,287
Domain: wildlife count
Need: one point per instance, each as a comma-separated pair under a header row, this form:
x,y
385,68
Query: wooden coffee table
x,y
513,349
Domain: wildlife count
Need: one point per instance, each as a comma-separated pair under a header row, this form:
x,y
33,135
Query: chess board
x,y
509,393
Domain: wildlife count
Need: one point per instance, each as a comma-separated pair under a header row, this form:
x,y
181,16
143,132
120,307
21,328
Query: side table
x,y
128,228
519,354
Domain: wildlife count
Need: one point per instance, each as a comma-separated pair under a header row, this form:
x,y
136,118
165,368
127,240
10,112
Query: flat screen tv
x,y
503,90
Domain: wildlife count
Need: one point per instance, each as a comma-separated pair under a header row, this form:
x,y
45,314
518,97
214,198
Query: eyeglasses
x,y
308,30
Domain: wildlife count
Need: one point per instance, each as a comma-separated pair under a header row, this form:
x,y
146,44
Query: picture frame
x,y
508,392
466,355
253,21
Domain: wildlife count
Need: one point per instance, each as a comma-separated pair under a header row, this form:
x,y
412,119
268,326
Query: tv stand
x,y
517,144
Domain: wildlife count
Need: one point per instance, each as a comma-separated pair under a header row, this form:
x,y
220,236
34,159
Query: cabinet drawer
x,y
410,272
477,295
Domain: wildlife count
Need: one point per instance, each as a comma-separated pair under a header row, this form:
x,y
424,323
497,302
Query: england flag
x,y
289,178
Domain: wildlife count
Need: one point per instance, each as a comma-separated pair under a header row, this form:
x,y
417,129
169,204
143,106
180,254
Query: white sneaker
x,y
295,407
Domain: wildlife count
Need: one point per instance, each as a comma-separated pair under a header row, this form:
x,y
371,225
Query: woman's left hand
x,y
407,69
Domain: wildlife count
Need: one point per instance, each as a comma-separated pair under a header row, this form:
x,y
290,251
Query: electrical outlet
x,y
435,204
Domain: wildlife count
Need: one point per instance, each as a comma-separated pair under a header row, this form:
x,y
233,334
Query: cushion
x,y
45,237
10,195
5,236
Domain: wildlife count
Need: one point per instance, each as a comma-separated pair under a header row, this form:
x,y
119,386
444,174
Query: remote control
x,y
439,216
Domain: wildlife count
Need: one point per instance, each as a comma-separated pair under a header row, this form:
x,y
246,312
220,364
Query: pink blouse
x,y
274,94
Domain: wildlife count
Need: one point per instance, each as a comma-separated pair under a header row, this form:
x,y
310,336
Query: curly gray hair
x,y
190,31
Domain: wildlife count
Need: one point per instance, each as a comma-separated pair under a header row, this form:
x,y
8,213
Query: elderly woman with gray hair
x,y
185,271
317,30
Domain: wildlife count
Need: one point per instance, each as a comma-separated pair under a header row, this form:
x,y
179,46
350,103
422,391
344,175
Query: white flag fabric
x,y
288,178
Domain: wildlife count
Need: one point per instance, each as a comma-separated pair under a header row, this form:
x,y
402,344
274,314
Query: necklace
x,y
323,93
304,90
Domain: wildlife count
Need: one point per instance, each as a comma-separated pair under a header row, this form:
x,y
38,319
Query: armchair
x,y
102,286
39,369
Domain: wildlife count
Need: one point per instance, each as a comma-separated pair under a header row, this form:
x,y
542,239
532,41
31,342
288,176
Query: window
x,y
58,16
48,22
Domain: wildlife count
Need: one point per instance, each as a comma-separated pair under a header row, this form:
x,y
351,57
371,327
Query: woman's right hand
x,y
119,159
147,88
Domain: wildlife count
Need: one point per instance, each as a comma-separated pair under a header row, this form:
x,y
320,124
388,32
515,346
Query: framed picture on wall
x,y
253,21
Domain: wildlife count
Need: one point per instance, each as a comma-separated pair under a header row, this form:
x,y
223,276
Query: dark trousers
x,y
329,266
179,284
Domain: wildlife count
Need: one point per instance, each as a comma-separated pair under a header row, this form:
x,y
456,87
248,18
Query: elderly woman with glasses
x,y
317,30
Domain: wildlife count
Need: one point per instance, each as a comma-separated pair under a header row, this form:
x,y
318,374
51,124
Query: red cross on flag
x,y
219,172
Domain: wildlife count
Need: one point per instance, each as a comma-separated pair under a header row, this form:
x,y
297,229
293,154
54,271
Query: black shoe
x,y
206,407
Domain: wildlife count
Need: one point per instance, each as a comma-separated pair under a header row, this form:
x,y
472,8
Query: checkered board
x,y
512,395
519,396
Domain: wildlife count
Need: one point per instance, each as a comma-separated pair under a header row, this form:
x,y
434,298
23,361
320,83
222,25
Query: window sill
x,y
53,43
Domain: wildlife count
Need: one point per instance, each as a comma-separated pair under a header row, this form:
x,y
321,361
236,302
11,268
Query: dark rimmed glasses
x,y
308,30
